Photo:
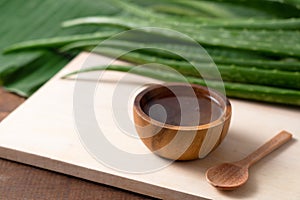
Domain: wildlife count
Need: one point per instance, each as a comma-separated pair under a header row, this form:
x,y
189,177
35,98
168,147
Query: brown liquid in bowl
x,y
183,110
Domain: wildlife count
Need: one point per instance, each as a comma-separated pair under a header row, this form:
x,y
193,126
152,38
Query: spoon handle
x,y
265,149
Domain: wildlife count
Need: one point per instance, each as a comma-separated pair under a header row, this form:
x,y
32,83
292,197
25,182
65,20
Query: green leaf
x,y
26,80
236,90
28,20
58,41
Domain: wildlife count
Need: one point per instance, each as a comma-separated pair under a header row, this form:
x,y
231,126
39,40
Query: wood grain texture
x,y
230,176
182,142
48,139
19,181
271,145
8,102
227,176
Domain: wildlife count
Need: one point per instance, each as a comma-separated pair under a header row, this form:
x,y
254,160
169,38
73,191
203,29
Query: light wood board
x,y
42,132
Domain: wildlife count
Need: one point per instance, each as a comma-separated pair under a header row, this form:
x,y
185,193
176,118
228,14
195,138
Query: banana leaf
x,y
27,20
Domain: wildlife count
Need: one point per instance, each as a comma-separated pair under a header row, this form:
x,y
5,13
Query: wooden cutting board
x,y
42,132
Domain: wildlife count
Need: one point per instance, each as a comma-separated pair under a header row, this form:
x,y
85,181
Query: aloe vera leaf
x,y
286,43
251,23
114,21
133,9
245,9
178,48
57,41
219,9
228,72
236,23
79,45
224,9
273,42
177,10
293,66
295,3
216,8
237,90
207,9
193,51
219,56
166,7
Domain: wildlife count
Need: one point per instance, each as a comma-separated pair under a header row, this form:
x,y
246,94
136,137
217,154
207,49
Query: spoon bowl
x,y
229,176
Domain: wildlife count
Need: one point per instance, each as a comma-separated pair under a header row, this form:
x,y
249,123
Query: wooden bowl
x,y
181,121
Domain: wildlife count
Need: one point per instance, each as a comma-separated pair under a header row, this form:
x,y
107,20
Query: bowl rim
x,y
226,114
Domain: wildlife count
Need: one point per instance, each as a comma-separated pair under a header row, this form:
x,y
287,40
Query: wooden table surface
x,y
19,181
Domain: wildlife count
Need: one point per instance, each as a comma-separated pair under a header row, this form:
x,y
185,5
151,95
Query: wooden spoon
x,y
229,176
